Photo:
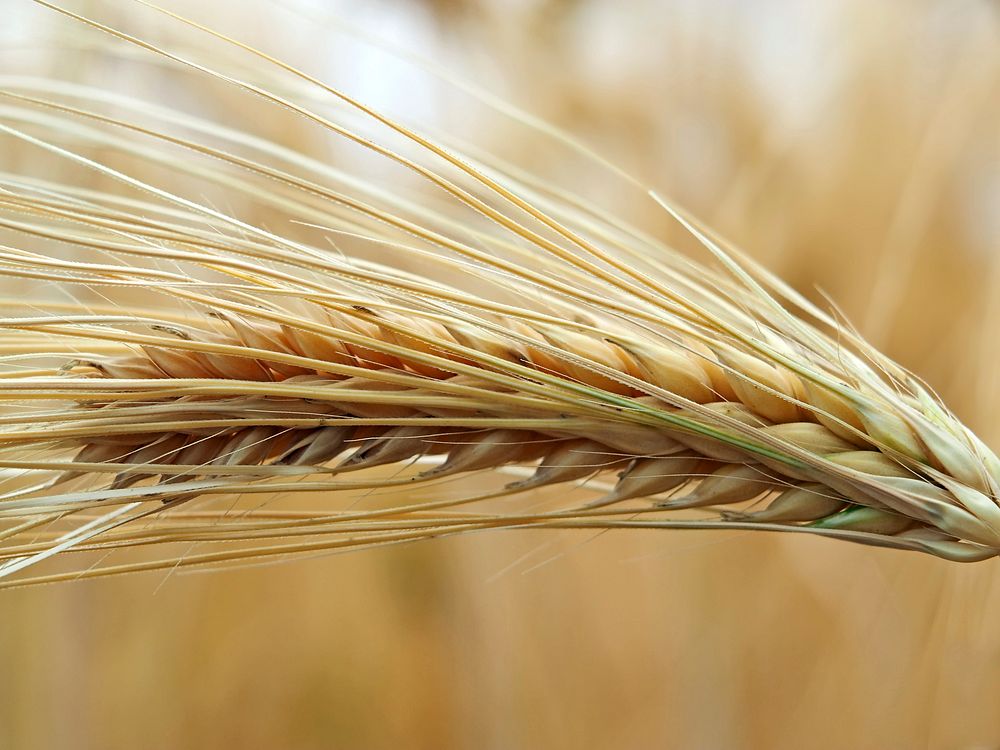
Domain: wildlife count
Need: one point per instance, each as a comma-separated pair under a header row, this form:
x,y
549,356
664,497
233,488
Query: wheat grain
x,y
539,337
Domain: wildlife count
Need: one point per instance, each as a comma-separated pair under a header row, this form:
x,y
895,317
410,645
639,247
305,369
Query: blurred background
x,y
852,147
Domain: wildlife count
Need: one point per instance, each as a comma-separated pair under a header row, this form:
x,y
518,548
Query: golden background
x,y
854,148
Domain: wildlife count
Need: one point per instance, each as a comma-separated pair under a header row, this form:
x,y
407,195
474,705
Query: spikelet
x,y
228,360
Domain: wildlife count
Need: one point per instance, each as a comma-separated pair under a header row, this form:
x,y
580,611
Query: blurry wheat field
x,y
853,148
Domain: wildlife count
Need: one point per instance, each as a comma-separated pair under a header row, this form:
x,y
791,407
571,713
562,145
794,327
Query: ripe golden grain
x,y
253,363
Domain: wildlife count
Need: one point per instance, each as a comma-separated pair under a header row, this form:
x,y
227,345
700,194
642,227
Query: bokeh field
x,y
851,146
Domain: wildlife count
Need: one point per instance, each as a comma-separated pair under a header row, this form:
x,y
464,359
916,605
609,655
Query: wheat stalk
x,y
541,337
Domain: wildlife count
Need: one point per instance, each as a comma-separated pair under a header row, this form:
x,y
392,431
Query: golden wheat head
x,y
192,355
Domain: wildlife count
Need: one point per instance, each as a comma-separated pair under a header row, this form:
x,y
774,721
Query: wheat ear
x,y
540,337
